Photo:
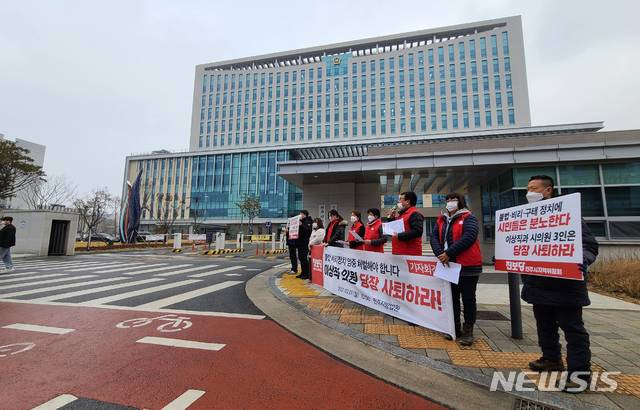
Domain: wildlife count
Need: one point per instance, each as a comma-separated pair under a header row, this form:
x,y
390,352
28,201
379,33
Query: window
x,y
444,122
512,117
505,43
494,45
483,47
623,201
626,173
430,56
472,49
500,118
461,51
476,119
440,55
487,118
510,98
465,120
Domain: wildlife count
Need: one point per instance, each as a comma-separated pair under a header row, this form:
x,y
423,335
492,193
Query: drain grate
x,y
522,404
490,315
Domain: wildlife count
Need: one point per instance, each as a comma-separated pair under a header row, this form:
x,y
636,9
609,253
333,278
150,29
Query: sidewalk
x,y
614,327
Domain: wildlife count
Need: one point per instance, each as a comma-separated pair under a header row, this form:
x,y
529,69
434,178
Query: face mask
x,y
301,217
371,218
452,206
399,206
353,219
534,196
315,225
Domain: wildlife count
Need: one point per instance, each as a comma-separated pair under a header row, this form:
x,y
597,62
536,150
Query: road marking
x,y
109,265
232,274
95,290
172,300
44,282
189,344
16,348
186,270
215,272
123,269
134,293
38,328
13,275
156,269
57,403
75,265
50,288
50,275
253,269
136,309
185,400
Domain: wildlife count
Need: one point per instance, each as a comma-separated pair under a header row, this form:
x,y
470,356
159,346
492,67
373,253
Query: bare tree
x,y
195,213
249,207
93,209
168,208
57,190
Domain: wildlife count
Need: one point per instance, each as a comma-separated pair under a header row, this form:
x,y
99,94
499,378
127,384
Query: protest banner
x,y
294,225
317,253
197,237
543,238
400,286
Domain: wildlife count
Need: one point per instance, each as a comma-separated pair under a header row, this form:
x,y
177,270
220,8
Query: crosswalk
x,y
119,282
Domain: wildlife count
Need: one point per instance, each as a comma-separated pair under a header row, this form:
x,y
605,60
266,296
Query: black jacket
x,y
416,224
540,290
8,236
304,233
337,234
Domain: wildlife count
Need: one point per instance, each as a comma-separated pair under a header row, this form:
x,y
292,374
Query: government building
x,y
351,125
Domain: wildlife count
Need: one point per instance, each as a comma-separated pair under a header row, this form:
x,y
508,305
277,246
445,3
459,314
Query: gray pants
x,y
5,255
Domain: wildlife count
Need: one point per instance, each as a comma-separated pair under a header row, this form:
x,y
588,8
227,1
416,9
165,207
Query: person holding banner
x,y
408,242
374,239
455,239
302,243
293,254
357,228
335,230
557,303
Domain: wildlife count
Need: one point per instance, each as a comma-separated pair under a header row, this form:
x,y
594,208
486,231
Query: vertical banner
x,y
294,225
542,238
317,254
400,286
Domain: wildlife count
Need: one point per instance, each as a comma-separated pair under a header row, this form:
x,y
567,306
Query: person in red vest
x,y
455,239
408,242
335,230
358,228
374,239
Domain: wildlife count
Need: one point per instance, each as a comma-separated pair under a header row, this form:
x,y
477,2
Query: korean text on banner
x,y
317,253
400,286
294,225
542,238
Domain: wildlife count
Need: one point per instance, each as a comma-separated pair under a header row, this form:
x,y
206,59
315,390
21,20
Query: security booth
x,y
49,232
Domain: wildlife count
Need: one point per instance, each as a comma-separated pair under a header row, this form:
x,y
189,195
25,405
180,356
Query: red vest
x,y
470,256
355,228
372,232
327,235
410,247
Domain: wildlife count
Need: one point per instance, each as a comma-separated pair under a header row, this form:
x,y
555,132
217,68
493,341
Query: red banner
x,y
317,274
551,269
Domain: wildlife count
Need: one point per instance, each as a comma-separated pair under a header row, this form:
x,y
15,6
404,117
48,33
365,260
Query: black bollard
x,y
514,304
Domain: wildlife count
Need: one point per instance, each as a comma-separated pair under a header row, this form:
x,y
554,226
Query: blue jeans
x,y
5,255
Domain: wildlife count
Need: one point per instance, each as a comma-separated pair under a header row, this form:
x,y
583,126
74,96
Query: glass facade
x,y
354,95
610,195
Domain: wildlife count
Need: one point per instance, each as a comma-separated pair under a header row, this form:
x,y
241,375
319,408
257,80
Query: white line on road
x,y
95,290
57,402
185,400
13,275
38,328
44,282
50,288
215,272
75,265
134,293
107,265
156,269
189,344
50,275
187,270
232,274
123,269
172,300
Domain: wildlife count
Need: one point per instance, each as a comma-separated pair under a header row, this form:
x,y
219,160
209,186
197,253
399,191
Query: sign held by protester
x,y
402,286
294,227
542,238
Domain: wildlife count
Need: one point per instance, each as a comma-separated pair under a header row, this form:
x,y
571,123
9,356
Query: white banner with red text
x,y
400,286
543,238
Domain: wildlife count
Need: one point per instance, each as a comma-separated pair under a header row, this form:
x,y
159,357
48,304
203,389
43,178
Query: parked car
x,y
100,237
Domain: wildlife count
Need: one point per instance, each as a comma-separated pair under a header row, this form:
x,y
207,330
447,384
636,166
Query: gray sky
x,y
95,81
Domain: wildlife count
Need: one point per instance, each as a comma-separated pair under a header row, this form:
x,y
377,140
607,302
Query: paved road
x,y
148,329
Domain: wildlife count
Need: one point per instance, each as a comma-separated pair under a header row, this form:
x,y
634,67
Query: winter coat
x,y
317,236
304,233
457,236
8,236
337,230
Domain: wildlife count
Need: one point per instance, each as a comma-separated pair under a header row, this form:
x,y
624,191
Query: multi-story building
x,y
350,125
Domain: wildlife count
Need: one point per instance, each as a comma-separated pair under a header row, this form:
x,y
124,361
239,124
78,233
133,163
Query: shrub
x,y
622,276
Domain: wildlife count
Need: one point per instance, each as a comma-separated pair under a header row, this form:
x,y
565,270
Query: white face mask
x,y
301,217
371,218
315,225
534,196
399,206
452,206
353,219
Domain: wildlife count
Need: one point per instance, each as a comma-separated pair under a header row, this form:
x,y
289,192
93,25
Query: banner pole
x,y
514,305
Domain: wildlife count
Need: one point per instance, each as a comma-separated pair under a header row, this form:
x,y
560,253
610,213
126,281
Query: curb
x,y
448,384
222,251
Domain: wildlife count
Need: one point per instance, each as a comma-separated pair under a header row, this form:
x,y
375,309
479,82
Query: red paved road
x,y
261,366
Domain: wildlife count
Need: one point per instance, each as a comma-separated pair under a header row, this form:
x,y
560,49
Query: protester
x,y
335,230
356,228
408,242
374,239
304,233
557,303
7,240
455,239
317,235
293,254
